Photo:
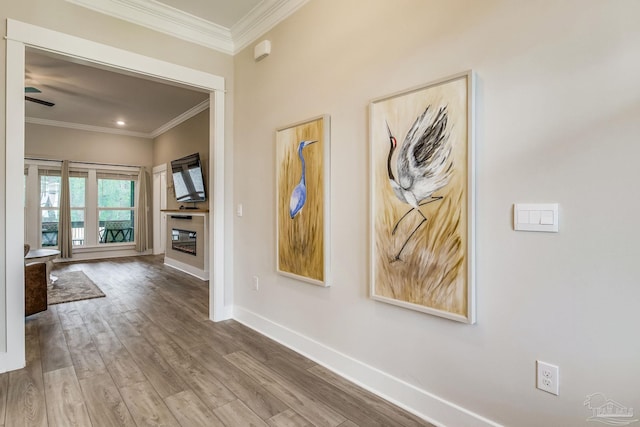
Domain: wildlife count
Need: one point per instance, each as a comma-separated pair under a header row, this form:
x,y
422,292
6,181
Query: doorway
x,y
21,36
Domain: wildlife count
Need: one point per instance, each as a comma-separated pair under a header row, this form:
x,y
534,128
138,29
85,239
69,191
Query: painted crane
x,y
423,165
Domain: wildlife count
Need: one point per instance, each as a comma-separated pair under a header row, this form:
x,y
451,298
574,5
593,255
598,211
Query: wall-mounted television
x,y
188,180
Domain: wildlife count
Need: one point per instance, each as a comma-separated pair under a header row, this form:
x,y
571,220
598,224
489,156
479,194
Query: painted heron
x,y
299,193
423,164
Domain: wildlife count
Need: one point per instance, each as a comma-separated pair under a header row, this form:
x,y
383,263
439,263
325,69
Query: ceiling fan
x,y
31,89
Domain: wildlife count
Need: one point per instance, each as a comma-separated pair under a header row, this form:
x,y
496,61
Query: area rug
x,y
72,286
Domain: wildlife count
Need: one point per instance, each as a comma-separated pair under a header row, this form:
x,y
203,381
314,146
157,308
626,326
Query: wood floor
x,y
146,355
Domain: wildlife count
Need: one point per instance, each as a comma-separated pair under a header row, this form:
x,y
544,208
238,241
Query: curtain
x,y
142,229
64,227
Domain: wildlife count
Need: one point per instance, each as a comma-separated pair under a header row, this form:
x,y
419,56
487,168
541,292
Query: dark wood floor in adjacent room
x,y
146,355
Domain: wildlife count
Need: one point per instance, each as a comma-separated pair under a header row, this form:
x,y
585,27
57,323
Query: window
x,y
102,198
116,208
49,208
78,191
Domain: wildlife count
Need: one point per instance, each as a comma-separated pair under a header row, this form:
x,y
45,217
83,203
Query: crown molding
x,y
181,118
79,126
261,19
162,129
174,22
165,19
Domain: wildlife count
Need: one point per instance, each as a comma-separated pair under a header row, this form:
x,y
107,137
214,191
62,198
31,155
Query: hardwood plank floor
x,y
147,355
4,390
26,405
65,404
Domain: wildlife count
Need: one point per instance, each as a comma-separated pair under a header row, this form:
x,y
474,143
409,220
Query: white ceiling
x,y
92,98
225,13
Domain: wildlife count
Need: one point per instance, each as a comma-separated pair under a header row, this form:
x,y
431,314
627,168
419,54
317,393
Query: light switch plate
x,y
536,217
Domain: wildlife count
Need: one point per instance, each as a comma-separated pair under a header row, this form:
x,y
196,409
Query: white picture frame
x,y
422,244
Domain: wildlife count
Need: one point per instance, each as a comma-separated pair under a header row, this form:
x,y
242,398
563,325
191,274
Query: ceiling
x,y
95,98
224,25
222,12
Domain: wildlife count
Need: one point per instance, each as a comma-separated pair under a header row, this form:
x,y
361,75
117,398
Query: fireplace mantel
x,y
185,211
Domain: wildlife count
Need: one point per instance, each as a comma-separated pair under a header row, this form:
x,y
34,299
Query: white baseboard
x,y
186,268
428,406
94,253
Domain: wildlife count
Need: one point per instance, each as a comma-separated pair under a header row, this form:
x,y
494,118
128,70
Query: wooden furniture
x,y
35,288
43,256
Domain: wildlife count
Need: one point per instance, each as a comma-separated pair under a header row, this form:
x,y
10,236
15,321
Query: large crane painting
x,y
422,198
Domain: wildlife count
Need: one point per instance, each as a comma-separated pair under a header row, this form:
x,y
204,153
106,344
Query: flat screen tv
x,y
188,180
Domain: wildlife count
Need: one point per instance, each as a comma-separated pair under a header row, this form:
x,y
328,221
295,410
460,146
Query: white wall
x,y
57,143
558,112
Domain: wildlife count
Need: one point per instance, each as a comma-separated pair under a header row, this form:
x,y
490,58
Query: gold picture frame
x,y
302,200
423,198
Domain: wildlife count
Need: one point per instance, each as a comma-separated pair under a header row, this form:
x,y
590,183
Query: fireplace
x,y
184,241
187,245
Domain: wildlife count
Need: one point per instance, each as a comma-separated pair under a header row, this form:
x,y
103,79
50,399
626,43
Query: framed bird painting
x,y
422,198
302,195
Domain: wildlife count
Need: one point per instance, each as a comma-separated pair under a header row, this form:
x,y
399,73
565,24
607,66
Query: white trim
x,y
397,391
84,166
159,203
165,19
21,35
186,268
112,57
177,23
104,253
89,128
220,275
261,19
160,168
180,119
162,129
12,346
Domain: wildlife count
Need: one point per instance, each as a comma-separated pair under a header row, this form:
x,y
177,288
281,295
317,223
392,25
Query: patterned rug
x,y
72,286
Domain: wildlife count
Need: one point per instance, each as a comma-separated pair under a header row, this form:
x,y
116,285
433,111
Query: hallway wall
x,y
557,121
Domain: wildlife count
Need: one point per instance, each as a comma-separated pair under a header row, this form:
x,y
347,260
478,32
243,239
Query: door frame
x,y
21,36
159,226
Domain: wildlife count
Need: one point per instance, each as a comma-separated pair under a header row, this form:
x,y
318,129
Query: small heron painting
x,y
422,198
302,200
299,193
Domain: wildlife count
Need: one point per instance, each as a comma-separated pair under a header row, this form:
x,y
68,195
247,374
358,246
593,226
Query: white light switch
x,y
536,217
239,210
546,217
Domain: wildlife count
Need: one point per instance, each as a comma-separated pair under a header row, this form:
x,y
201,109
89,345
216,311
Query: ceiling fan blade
x,y
31,89
39,101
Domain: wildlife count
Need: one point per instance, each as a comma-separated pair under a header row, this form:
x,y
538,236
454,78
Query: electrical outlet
x,y
255,283
547,377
